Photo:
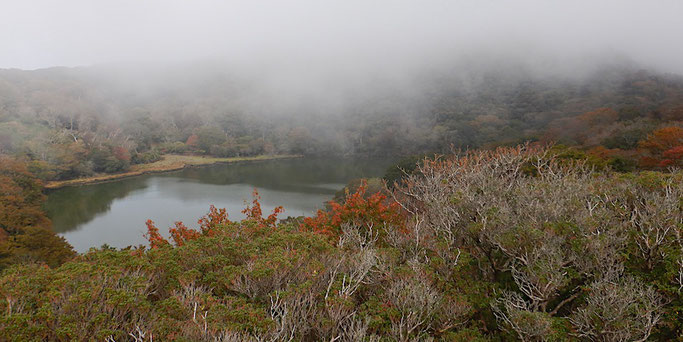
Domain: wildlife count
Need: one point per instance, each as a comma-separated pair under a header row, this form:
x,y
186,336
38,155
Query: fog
x,y
351,38
345,77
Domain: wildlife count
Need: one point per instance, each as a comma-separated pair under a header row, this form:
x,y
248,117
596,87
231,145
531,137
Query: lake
x,y
114,213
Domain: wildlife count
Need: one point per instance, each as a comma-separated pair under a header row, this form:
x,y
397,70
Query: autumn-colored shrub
x,y
25,231
375,210
255,213
663,148
209,223
192,140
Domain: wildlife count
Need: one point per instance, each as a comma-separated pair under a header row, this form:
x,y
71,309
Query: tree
x,y
192,140
209,136
663,148
25,230
21,198
618,310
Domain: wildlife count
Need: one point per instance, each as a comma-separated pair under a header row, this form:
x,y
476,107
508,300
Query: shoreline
x,y
168,162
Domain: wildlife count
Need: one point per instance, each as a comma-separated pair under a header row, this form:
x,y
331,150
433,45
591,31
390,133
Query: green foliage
x,y
626,140
128,287
104,160
173,147
209,136
146,157
621,164
525,243
225,150
404,166
574,154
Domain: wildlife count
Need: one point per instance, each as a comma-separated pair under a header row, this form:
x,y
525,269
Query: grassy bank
x,y
169,162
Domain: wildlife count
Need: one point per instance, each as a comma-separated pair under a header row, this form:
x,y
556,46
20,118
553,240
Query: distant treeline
x,y
70,123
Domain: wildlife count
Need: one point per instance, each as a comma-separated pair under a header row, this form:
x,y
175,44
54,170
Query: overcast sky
x,y
360,33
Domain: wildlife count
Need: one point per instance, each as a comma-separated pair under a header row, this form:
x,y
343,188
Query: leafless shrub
x,y
355,330
193,297
452,314
540,273
518,316
357,239
357,264
474,198
401,242
234,336
360,264
291,315
618,310
656,215
415,302
139,334
551,223
256,284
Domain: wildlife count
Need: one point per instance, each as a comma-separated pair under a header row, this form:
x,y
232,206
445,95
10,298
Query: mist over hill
x,y
99,87
535,190
57,114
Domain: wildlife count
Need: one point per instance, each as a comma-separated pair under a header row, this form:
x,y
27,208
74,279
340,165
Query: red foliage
x,y
121,153
603,152
255,213
155,239
672,156
374,210
208,224
214,218
193,140
181,233
663,148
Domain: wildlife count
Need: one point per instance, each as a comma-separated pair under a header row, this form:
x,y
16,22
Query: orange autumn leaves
x,y
21,198
181,233
209,223
663,148
373,209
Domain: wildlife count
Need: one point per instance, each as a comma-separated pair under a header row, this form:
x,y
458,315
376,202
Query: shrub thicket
x,y
509,244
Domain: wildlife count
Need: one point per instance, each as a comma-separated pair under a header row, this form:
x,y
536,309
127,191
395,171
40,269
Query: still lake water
x,y
114,213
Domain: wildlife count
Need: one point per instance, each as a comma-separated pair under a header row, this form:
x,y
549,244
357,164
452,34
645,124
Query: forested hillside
x,y
509,244
430,170
579,241
74,122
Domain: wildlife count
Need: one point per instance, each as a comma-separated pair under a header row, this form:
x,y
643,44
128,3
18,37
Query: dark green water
x,y
115,213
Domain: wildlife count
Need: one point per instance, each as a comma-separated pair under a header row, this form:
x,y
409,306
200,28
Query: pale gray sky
x,y
352,33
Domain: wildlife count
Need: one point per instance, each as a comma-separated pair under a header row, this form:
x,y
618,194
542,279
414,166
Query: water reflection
x,y
72,206
114,213
284,174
